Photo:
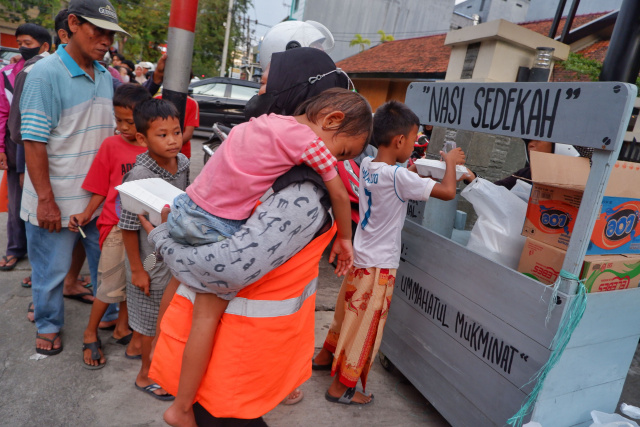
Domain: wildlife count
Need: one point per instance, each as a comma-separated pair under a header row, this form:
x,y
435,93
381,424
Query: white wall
x,y
546,9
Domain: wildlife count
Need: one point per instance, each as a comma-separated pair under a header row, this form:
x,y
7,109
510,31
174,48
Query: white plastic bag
x,y
522,189
496,233
602,419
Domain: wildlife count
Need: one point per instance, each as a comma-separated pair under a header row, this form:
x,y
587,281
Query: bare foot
x,y
177,417
90,337
323,358
337,389
46,345
294,397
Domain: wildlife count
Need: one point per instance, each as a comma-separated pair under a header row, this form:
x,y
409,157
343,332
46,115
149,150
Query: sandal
x,y
95,354
30,309
153,387
346,398
53,351
7,259
293,400
26,282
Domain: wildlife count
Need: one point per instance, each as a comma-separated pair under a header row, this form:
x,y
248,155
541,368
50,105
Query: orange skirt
x,y
361,313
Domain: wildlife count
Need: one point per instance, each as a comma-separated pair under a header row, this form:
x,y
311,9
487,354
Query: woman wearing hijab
x,y
292,77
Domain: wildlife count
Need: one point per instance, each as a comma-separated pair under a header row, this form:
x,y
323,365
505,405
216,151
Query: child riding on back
x,y
334,125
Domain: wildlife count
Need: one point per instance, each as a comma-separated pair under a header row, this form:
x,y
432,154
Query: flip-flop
x,y
95,354
30,309
346,398
80,297
125,340
53,351
316,367
26,284
132,357
7,259
153,387
292,401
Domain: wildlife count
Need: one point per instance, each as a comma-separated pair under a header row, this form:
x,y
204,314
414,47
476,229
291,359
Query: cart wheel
x,y
386,363
213,148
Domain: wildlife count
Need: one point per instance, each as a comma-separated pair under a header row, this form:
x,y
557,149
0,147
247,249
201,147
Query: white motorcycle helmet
x,y
291,34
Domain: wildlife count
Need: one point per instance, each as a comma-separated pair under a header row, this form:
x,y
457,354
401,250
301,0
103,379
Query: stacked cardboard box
x,y
613,254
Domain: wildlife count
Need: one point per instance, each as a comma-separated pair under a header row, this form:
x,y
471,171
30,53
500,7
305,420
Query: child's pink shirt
x,y
247,164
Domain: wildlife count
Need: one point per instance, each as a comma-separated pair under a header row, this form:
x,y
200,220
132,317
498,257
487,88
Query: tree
x,y
358,40
384,37
148,23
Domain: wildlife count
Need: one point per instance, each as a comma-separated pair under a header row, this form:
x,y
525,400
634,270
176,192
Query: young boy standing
x,y
158,127
365,295
115,158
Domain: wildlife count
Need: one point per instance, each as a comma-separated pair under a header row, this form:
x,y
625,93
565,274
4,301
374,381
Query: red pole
x,y
182,25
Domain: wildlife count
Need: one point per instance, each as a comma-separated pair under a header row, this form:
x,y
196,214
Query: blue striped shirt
x,y
63,107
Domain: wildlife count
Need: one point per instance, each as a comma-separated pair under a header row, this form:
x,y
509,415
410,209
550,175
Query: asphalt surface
x,y
57,391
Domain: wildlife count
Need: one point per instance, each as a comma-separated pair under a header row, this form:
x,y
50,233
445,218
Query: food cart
x,y
471,334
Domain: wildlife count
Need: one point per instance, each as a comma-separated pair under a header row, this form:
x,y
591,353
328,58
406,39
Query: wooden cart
x,y
469,333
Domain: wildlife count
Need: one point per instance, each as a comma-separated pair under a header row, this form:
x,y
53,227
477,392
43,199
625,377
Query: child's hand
x,y
78,220
344,250
140,279
454,157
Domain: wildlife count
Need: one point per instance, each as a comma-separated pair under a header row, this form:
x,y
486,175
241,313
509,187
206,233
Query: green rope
x,y
569,322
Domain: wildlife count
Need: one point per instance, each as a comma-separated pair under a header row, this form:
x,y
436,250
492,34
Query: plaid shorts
x,y
143,310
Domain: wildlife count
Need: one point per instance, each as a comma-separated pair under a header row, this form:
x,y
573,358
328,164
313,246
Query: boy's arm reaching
x,y
342,212
446,189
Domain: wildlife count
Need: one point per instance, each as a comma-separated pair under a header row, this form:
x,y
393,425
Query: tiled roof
x,y
427,55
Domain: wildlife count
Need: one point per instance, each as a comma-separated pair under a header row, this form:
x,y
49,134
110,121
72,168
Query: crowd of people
x,y
218,301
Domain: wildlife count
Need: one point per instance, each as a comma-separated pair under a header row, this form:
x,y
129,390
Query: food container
x,y
147,196
436,168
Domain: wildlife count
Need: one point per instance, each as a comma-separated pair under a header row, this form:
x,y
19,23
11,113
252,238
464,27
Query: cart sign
x,y
543,111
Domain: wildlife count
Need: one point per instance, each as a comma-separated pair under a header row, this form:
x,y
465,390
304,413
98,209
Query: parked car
x,y
6,53
222,100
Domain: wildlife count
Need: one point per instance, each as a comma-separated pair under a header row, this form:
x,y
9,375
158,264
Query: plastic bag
x,y
602,419
522,189
496,233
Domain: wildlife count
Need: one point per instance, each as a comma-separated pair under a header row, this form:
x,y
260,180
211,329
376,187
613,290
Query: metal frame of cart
x,y
470,333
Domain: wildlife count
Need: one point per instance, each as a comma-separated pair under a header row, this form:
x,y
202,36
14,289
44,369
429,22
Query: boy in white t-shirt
x,y
365,295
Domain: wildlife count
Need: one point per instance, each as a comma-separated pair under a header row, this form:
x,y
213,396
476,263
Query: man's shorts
x,y
112,280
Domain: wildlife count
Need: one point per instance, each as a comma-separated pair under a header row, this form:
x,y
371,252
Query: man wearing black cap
x,y
66,113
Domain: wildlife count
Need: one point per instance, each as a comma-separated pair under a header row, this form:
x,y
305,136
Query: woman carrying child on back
x,y
334,125
365,295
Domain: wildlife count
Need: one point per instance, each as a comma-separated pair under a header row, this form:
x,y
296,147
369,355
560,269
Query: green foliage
x,y
582,65
589,67
385,37
358,40
148,22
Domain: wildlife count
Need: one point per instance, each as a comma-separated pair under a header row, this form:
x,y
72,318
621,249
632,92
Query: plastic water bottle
x,y
448,146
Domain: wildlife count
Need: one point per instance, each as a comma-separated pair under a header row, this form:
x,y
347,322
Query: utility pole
x,y
182,26
225,48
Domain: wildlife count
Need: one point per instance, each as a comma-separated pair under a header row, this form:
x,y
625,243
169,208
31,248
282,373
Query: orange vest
x,y
263,345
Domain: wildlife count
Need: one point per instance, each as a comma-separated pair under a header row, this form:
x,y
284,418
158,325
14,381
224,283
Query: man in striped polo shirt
x,y
66,111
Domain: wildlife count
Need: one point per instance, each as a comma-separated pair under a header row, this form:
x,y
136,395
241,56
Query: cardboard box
x,y
558,185
600,273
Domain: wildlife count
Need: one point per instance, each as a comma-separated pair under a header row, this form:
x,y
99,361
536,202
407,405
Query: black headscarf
x,y
288,84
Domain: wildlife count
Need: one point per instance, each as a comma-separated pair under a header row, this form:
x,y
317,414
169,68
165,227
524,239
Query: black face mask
x,y
28,53
259,105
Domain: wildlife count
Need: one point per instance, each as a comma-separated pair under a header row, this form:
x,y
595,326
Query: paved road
x,y
57,391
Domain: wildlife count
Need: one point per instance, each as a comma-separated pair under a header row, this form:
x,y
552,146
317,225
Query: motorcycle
x,y
220,133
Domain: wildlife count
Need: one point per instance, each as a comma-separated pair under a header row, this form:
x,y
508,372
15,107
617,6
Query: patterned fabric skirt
x,y
361,313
